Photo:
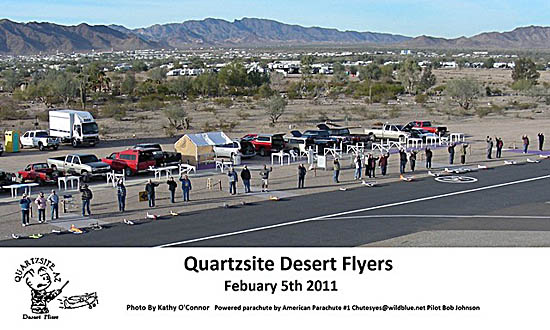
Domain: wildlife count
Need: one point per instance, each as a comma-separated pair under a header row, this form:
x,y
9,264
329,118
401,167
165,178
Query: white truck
x,y
75,127
86,165
39,139
387,131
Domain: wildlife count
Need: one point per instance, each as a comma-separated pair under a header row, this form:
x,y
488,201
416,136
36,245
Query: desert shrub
x,y
207,127
224,101
43,115
115,111
243,115
225,125
300,118
9,110
421,98
394,112
147,104
170,131
212,110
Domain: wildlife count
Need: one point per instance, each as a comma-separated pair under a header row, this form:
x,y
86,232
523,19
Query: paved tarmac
x,y
505,199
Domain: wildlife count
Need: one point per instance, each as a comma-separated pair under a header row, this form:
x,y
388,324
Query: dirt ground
x,y
248,115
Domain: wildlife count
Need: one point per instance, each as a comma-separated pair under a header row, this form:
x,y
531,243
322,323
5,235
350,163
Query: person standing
x,y
451,150
412,159
402,160
265,177
40,202
336,168
25,205
301,176
358,167
541,140
121,195
368,163
429,154
86,196
150,189
489,147
373,166
233,178
525,139
383,162
499,145
463,150
53,198
245,176
185,187
172,186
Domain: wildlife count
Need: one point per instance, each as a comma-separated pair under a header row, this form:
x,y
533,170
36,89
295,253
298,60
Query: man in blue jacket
x,y
25,204
185,187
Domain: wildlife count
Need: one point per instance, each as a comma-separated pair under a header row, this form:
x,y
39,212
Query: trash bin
x,y
237,160
11,141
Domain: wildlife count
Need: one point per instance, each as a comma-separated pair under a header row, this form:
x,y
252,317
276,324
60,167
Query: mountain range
x,y
33,37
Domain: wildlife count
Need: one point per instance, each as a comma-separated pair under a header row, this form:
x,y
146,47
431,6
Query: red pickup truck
x,y
427,125
265,144
37,172
131,161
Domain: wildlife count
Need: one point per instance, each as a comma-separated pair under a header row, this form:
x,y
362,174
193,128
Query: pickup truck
x,y
265,144
85,165
344,134
426,125
387,131
37,172
162,158
39,139
230,150
130,161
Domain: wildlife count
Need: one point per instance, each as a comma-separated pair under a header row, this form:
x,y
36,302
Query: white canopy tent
x,y
198,148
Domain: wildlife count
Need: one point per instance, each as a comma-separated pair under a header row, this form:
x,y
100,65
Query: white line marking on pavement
x,y
383,206
490,216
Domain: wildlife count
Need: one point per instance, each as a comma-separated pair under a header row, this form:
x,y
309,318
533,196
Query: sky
x,y
439,18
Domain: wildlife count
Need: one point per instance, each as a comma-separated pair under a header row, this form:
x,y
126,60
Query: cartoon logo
x,y
45,285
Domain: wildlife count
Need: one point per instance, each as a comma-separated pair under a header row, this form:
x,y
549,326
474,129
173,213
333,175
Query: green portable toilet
x,y
11,141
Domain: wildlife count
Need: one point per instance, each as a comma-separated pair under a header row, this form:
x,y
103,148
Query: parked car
x,y
39,139
229,150
265,144
131,161
387,131
162,158
427,125
37,172
86,165
7,178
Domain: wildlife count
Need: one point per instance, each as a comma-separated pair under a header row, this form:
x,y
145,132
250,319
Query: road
x,y
507,198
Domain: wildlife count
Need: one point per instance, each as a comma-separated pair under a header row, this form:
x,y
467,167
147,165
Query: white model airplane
x,y
368,184
406,178
532,160
544,156
343,189
510,162
482,167
172,213
128,222
151,216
